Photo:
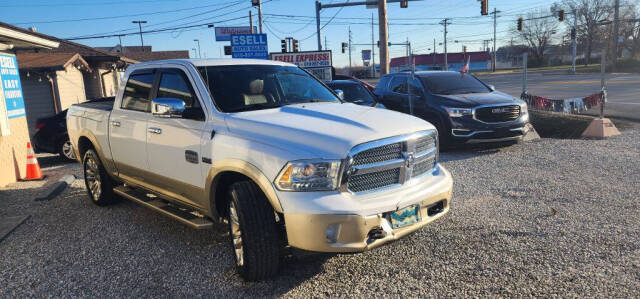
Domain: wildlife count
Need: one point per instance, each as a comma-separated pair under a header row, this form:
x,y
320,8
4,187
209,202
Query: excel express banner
x,y
11,86
317,62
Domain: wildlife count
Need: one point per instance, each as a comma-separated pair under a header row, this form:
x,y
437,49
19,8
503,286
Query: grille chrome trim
x,y
474,109
409,144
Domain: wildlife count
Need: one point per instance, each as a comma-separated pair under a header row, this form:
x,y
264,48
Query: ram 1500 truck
x,y
265,147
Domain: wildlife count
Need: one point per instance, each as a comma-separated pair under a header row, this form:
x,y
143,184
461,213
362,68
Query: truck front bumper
x,y
337,230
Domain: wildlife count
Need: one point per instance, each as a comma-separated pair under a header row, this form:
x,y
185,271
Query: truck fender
x,y
248,170
107,162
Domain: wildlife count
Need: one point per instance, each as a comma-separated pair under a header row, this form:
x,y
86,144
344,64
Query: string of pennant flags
x,y
567,106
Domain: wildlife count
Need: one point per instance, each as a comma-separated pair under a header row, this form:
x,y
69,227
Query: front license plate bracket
x,y
405,216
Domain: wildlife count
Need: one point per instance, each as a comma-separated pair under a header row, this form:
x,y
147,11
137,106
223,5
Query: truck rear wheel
x,y
96,179
255,236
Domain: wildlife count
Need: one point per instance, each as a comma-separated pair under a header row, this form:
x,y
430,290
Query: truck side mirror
x,y
340,93
167,107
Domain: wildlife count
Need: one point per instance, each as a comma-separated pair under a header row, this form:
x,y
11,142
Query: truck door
x,y
128,126
174,144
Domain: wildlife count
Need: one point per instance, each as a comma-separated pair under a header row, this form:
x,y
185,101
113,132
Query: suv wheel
x,y
65,150
255,236
97,180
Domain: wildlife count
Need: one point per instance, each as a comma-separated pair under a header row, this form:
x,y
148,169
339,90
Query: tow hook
x,y
375,234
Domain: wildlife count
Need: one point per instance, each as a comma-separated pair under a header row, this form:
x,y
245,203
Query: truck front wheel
x,y
96,179
255,236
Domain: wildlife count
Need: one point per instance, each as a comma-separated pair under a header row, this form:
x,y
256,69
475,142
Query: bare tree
x,y
537,32
590,12
630,29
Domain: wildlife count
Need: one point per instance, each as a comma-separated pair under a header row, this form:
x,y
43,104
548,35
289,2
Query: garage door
x,y
37,99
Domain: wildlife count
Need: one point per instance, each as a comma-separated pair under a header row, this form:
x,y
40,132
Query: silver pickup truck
x,y
265,147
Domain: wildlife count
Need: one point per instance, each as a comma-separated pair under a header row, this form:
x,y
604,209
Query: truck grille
x,y
496,114
391,161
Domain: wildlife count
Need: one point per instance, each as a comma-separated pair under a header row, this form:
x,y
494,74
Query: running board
x,y
186,216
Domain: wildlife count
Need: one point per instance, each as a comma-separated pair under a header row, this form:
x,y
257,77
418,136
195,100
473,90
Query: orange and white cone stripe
x,y
33,168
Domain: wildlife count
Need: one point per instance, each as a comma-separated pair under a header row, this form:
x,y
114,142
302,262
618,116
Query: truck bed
x,y
105,104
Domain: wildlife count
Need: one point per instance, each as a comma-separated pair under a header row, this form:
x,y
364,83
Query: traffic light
x,y
561,15
283,42
520,20
484,7
295,45
573,33
464,49
404,3
344,47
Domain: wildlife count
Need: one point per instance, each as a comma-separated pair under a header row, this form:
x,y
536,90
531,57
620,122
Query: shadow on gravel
x,y
463,152
52,160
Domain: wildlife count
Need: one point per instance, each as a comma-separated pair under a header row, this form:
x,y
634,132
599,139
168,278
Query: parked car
x,y
463,108
266,146
346,77
355,92
51,134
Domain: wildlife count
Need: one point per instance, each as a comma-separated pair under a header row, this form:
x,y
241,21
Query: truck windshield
x,y
236,88
453,83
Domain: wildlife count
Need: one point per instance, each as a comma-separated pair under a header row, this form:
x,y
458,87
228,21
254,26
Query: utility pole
x,y
373,50
434,52
199,52
616,27
495,21
446,62
318,7
325,42
574,43
260,16
383,36
120,40
140,26
250,21
350,72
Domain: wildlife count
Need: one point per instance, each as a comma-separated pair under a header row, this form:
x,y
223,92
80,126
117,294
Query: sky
x,y
419,23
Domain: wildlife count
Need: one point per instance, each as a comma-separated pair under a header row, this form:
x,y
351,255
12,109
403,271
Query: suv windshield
x,y
453,83
236,88
354,93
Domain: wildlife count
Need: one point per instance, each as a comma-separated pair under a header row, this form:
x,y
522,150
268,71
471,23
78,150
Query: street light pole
x,y
140,27
446,62
199,52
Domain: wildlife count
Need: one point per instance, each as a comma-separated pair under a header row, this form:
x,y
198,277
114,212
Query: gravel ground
x,y
548,218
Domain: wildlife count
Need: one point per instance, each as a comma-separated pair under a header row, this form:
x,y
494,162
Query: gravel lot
x,y
548,218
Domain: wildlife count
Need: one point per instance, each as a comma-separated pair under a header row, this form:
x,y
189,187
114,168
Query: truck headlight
x,y
309,175
458,112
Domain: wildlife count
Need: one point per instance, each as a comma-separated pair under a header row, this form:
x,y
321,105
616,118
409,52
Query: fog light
x,y
461,132
333,230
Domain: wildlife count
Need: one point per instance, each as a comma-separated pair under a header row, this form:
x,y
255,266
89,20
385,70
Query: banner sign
x,y
252,46
316,62
11,86
224,33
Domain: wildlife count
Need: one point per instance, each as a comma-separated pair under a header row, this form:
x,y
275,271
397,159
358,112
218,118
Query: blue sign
x,y
252,46
11,86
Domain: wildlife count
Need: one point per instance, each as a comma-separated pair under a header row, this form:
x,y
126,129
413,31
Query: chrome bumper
x,y
356,233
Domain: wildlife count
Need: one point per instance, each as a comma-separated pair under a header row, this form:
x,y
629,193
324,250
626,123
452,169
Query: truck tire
x,y
96,179
255,237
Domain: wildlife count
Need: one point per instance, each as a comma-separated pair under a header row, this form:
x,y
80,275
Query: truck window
x,y
176,85
136,92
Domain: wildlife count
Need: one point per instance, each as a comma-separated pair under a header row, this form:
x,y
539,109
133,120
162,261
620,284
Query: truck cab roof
x,y
215,62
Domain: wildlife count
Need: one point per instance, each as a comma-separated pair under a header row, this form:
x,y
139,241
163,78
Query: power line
x,y
86,3
325,24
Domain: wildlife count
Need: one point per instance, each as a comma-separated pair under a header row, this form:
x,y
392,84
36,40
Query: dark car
x,y
51,134
463,108
351,78
354,92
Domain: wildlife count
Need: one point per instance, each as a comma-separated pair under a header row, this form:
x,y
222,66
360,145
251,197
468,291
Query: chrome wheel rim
x,y
92,178
67,150
236,234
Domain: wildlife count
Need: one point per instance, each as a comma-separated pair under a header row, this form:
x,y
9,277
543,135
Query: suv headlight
x,y
458,112
309,175
523,109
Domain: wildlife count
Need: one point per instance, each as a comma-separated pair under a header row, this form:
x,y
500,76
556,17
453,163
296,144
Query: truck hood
x,y
321,130
475,99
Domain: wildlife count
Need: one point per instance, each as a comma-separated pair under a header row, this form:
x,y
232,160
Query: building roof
x,y
66,46
429,59
52,61
12,37
154,55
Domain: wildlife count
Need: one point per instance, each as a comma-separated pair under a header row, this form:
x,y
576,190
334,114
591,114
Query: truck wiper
x,y
257,106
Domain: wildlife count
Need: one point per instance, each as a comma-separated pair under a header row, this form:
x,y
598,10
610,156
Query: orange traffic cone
x,y
33,168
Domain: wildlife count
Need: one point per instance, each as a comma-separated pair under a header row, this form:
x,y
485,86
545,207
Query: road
x,y
623,89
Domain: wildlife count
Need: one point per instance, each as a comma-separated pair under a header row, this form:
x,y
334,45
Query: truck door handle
x,y
115,123
154,130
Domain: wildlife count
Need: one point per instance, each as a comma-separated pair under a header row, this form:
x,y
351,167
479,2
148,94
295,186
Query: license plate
x,y
406,216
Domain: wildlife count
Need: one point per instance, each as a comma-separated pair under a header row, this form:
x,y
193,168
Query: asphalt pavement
x,y
623,89
550,218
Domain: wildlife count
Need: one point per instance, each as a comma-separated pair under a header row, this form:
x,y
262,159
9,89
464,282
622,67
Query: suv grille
x,y
390,161
496,114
